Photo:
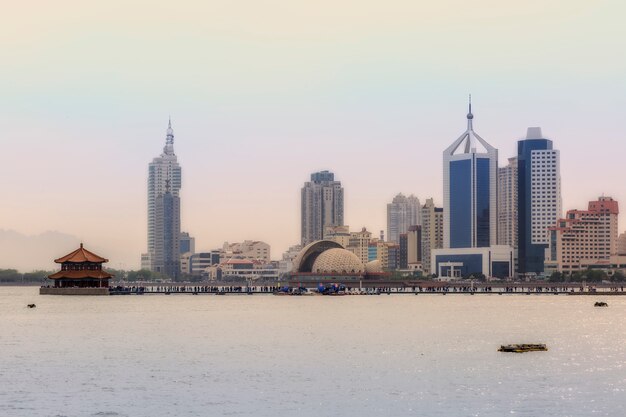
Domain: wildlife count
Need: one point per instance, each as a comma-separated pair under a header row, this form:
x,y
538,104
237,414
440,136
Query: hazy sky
x,y
262,93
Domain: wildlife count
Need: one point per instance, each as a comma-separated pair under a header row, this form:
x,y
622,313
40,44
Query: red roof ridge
x,y
81,255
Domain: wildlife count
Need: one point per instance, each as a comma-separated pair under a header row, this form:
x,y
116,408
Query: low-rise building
x,y
455,263
248,249
243,269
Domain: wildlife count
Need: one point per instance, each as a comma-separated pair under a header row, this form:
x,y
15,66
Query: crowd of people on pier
x,y
437,289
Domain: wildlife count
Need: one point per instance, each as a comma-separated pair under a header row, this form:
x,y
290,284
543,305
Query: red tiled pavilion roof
x,y
81,255
83,273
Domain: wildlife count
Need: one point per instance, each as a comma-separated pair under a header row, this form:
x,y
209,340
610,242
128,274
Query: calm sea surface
x,y
398,355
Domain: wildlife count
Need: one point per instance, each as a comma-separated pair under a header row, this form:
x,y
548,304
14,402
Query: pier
x,y
370,288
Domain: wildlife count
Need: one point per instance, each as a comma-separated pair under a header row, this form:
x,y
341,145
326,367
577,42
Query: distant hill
x,y
28,253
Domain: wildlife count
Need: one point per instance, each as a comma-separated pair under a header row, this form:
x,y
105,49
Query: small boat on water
x,y
600,304
524,347
300,291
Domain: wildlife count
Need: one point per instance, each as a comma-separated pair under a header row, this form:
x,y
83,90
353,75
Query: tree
x,y
557,277
596,275
36,276
618,276
10,275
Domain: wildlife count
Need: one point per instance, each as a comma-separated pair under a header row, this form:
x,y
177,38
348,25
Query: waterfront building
x,y
414,247
146,262
339,234
166,257
322,206
359,244
198,262
539,199
584,238
386,253
163,172
621,244
507,204
248,249
372,250
432,232
285,265
393,257
471,211
403,248
242,269
402,212
470,168
187,243
326,260
454,263
185,262
82,270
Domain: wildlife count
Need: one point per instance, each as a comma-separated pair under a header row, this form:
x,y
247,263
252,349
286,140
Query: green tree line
x,y
589,275
14,276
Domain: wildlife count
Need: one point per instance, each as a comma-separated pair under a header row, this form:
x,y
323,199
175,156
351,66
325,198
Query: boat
x,y
524,347
300,291
600,304
332,289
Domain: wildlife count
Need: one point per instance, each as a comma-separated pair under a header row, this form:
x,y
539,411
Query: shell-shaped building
x,y
338,261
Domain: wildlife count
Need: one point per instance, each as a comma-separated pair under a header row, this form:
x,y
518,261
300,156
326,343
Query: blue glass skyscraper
x,y
470,167
539,199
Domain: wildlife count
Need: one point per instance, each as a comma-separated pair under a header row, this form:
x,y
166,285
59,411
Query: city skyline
x,y
255,97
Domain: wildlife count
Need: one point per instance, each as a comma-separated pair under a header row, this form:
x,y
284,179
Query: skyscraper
x,y
164,176
470,225
432,232
402,213
470,185
507,204
539,198
166,259
322,206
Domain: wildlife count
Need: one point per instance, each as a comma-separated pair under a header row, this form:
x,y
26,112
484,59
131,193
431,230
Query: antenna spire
x,y
470,116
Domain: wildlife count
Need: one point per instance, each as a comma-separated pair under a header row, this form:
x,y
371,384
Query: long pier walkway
x,y
416,290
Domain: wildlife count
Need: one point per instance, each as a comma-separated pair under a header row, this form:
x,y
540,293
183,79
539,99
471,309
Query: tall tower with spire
x,y
164,177
470,169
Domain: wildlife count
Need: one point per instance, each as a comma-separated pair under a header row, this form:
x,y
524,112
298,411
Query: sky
x,y
263,93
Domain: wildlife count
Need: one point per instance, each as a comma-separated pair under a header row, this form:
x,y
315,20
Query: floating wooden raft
x,y
523,348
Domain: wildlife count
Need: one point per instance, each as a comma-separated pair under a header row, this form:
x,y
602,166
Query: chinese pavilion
x,y
82,269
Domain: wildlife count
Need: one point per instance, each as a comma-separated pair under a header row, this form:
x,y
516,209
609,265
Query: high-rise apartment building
x,y
584,237
470,185
402,213
539,199
507,204
322,206
164,175
432,232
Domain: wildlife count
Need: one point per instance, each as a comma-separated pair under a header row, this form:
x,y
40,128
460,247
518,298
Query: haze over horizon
x,y
262,94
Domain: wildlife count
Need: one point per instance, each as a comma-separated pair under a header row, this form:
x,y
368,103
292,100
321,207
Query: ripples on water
x,y
398,355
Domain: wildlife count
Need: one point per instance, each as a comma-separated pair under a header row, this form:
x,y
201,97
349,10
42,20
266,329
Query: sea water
x,y
261,355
